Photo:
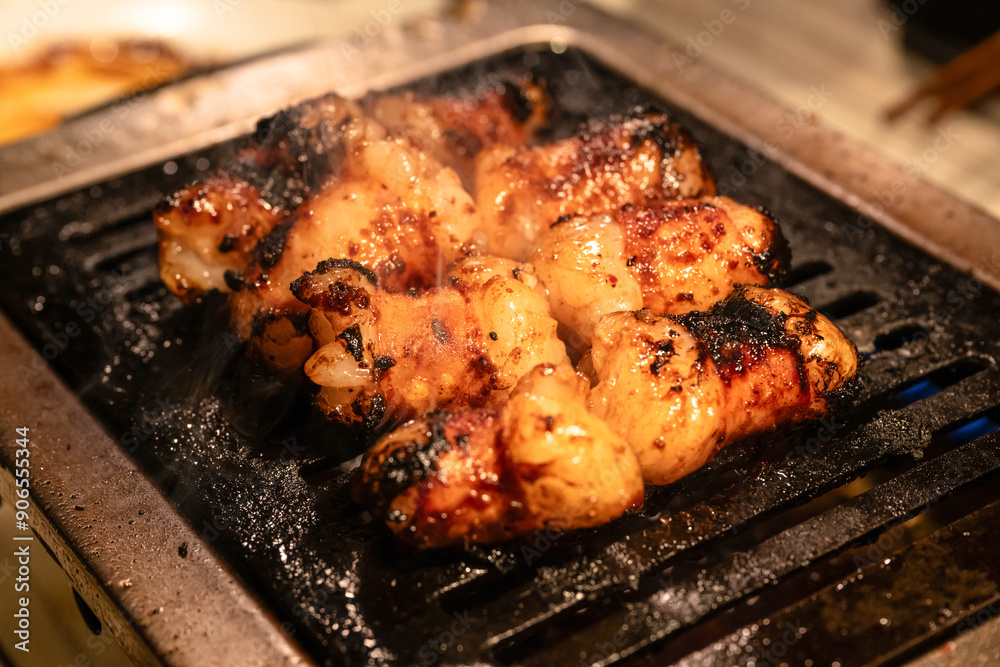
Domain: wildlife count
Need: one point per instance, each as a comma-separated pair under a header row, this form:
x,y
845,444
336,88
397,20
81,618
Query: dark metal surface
x,y
255,473
152,579
269,495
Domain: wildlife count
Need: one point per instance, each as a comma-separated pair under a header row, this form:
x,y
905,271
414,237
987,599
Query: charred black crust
x,y
339,297
376,411
263,129
384,362
270,248
331,264
234,280
846,396
354,342
664,351
292,160
737,329
228,243
517,102
416,460
776,258
300,321
658,129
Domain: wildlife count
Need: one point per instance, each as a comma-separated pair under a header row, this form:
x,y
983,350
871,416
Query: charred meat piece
x,y
208,231
680,387
637,160
211,232
294,156
391,208
673,257
324,180
455,129
400,355
537,461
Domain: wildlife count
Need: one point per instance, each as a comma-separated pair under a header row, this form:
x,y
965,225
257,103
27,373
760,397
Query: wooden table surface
x,y
841,63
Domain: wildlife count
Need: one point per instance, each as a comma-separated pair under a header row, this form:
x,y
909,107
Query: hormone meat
x,y
673,257
209,229
400,355
637,160
536,461
331,178
454,130
428,268
680,387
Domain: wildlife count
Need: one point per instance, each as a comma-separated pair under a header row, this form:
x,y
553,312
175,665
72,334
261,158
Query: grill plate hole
x,y
927,385
807,271
973,428
900,336
854,302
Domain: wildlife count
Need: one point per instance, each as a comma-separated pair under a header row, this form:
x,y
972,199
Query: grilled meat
x,y
209,230
391,208
352,249
639,160
455,130
323,150
325,180
679,387
401,355
673,257
537,461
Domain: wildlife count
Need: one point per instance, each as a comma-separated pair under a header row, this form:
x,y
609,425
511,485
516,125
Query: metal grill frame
x,y
203,594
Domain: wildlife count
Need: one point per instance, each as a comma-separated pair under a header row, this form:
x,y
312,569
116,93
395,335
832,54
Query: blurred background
x,y
843,64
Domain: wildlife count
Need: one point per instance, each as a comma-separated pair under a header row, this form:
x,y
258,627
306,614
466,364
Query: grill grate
x,y
762,536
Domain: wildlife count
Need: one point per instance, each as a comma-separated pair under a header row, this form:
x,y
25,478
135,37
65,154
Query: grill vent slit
x,y
850,304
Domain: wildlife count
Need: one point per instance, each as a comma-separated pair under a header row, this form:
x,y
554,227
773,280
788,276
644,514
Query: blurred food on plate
x,y
71,77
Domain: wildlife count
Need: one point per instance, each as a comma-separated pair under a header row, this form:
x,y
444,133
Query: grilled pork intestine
x,y
638,160
536,461
391,208
323,150
396,356
209,229
454,130
324,180
679,387
673,257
